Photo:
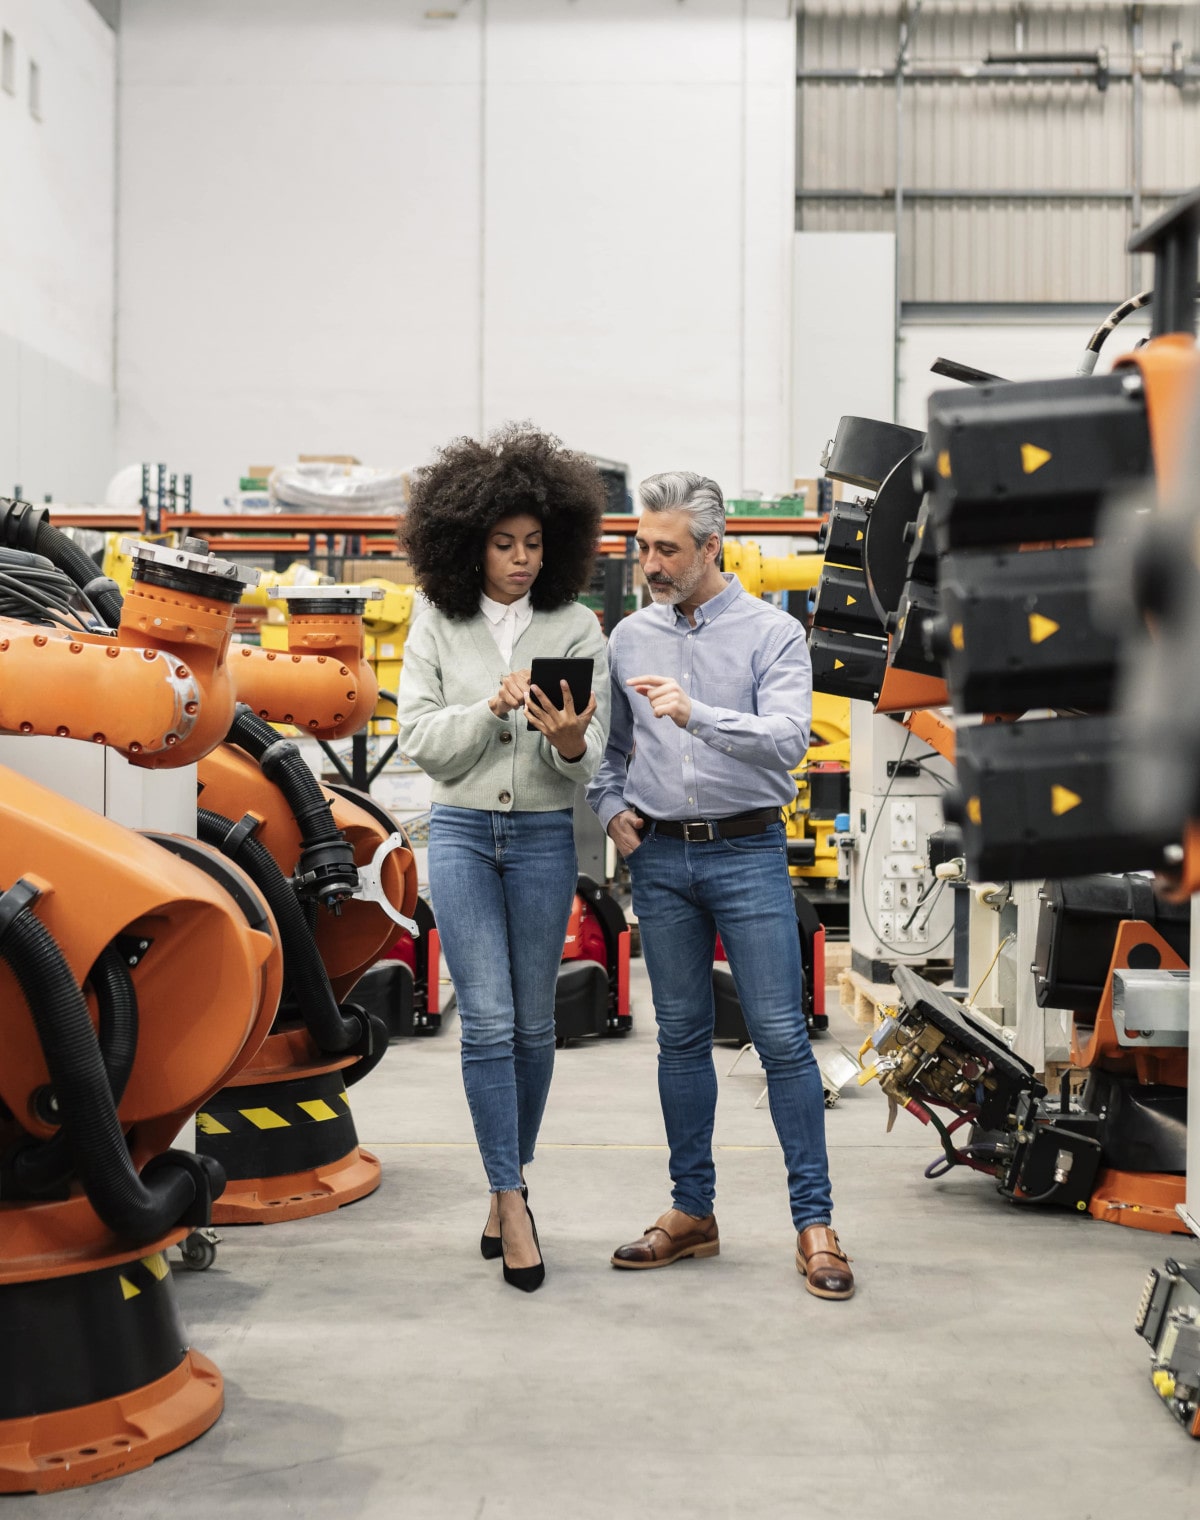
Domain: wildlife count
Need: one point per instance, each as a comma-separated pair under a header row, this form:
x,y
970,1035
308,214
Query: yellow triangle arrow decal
x,y
974,811
1041,628
943,464
839,664
1033,458
851,600
1062,800
858,535
957,641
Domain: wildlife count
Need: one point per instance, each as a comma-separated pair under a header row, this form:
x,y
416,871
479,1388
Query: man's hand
x,y
513,690
667,698
624,829
562,726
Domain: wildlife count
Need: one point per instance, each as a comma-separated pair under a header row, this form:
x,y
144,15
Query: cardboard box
x,y
328,459
358,572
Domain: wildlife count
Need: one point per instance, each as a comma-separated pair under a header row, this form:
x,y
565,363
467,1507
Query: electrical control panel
x,y
899,912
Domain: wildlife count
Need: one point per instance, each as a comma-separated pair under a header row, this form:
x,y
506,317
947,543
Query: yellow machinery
x,y
760,574
812,852
822,791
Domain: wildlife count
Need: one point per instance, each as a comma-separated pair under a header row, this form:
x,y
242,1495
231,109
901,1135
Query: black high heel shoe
x,y
491,1247
528,1279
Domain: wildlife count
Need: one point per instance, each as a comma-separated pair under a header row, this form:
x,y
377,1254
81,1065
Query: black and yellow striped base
x,y
289,1149
97,1376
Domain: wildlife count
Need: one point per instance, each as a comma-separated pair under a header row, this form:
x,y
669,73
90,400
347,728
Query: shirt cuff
x,y
608,808
703,721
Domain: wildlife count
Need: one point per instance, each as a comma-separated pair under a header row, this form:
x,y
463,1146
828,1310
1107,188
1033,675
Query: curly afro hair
x,y
470,486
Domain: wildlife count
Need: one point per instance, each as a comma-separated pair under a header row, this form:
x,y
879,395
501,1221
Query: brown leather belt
x,y
701,830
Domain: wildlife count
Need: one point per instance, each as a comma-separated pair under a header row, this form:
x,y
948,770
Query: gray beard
x,y
671,596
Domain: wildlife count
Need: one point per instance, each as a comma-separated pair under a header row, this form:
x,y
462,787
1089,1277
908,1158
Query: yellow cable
x,y
1003,945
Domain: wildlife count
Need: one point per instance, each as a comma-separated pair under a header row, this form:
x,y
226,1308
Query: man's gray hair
x,y
685,491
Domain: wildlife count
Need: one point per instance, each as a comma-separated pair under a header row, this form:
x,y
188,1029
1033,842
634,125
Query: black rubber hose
x,y
71,559
138,1211
326,870
47,1167
379,1044
306,971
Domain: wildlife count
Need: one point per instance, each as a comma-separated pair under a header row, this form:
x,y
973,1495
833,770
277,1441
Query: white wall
x,y
57,252
844,352
346,228
1016,351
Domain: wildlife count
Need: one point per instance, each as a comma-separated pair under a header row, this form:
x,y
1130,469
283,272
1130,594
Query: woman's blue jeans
x,y
684,896
502,886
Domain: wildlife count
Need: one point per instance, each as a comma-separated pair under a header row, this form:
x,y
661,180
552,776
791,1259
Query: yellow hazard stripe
x,y
317,1108
264,1118
207,1125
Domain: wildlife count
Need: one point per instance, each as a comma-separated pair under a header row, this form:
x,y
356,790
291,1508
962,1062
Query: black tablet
x,y
547,676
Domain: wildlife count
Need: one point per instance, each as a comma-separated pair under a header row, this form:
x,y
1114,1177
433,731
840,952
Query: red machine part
x,y
423,958
598,936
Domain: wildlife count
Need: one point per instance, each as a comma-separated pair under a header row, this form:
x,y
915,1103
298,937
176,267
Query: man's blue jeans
x,y
684,895
502,886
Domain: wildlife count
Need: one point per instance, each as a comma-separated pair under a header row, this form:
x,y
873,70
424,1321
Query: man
x,y
711,705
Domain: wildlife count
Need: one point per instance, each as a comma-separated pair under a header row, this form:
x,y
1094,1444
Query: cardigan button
x,y
505,797
506,737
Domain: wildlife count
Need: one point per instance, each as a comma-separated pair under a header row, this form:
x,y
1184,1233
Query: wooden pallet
x,y
864,999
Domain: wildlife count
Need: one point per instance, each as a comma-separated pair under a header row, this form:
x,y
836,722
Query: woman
x,y
501,536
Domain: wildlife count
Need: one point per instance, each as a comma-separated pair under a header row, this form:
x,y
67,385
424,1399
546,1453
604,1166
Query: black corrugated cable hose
x,y
23,526
47,1166
139,1209
334,1031
326,870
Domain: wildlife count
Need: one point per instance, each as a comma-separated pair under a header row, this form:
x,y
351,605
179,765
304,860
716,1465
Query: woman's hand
x,y
512,694
564,727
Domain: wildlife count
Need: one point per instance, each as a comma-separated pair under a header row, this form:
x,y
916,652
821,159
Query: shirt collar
x,y
715,604
495,611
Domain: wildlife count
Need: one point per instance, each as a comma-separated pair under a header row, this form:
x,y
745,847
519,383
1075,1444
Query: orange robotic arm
x,y
322,685
202,959
160,692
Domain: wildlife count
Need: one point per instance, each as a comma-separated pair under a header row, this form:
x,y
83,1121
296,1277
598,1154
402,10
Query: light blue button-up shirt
x,y
745,666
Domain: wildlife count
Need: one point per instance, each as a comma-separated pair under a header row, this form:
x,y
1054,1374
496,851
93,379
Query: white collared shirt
x,y
506,624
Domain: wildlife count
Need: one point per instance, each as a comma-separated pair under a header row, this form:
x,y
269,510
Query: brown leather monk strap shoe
x,y
669,1239
823,1264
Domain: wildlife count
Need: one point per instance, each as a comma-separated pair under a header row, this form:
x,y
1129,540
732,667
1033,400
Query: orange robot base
x,y
96,1383
1140,1201
46,1453
285,1135
1137,1200
300,1195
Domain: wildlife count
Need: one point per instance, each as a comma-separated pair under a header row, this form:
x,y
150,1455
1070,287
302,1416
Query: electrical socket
x,y
902,929
887,926
920,929
886,895
904,825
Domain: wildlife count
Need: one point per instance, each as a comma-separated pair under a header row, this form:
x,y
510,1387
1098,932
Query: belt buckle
x,y
704,832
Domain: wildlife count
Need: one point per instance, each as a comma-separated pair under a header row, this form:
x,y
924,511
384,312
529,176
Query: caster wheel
x,y
198,1251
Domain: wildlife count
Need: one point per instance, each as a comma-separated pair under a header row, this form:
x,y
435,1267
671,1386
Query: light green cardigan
x,y
451,668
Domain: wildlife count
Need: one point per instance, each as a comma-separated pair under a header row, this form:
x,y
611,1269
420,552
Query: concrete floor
x,y
376,1366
